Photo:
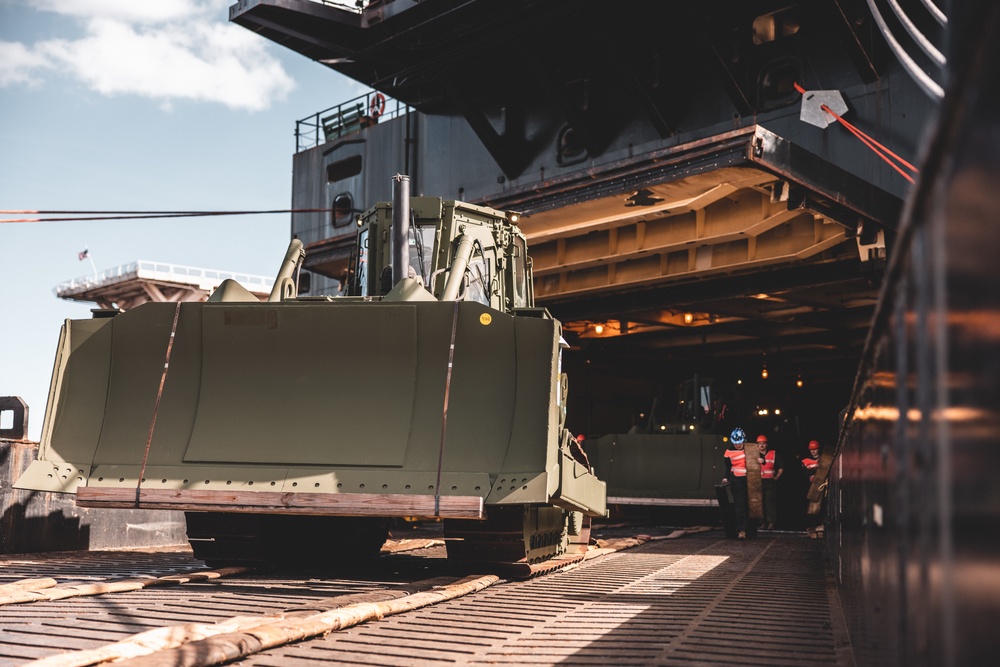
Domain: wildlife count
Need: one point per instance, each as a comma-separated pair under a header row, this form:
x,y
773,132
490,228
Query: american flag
x,y
82,255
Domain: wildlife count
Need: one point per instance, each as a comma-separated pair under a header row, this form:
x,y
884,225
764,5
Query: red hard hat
x,y
761,438
814,444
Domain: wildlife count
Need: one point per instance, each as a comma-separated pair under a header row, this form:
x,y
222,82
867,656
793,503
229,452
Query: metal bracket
x,y
19,425
813,102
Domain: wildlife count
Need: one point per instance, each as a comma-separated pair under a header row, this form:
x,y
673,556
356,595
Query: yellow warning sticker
x,y
485,319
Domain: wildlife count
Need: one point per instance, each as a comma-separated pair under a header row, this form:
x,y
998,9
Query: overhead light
x,y
762,296
739,382
663,427
598,328
688,318
798,382
763,373
777,411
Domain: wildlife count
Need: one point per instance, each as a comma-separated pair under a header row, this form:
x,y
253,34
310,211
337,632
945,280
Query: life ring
x,y
377,106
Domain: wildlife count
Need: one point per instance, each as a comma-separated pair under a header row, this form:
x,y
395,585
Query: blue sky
x,y
125,105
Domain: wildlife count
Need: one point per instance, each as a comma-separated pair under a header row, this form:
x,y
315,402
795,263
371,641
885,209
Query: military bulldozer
x,y
673,456
299,426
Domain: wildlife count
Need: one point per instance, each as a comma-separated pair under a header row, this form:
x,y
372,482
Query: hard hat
x,y
738,437
761,438
814,444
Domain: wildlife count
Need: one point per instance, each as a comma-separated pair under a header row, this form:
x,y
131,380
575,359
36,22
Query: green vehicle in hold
x,y
672,458
297,427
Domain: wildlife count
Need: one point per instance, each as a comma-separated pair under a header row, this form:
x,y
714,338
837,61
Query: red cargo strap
x,y
884,153
444,411
156,405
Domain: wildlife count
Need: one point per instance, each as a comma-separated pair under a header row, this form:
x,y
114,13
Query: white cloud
x,y
167,51
19,64
134,11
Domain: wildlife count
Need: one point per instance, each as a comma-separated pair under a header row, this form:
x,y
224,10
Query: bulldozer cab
x,y
455,251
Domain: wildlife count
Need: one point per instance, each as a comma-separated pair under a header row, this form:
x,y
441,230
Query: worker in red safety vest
x,y
771,469
736,478
811,463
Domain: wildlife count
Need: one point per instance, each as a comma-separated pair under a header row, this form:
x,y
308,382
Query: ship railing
x,y
346,118
207,279
350,5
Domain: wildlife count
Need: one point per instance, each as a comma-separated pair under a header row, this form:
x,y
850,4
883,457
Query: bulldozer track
x,y
665,601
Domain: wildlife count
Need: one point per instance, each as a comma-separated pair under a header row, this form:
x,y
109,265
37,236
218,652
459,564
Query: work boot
x,y
742,535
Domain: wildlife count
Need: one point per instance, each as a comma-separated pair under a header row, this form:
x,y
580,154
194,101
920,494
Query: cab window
x,y
362,270
422,251
520,273
478,276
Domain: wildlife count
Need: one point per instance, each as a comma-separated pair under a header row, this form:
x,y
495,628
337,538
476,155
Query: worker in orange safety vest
x,y
812,462
771,469
736,478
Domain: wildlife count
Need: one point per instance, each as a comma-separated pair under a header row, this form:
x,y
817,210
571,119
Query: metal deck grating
x,y
696,600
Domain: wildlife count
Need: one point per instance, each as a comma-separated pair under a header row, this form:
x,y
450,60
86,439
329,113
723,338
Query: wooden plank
x,y
397,546
323,504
